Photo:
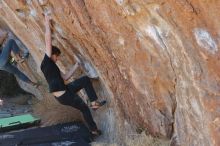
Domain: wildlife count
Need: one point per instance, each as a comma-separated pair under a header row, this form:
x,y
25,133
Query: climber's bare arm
x,y
70,72
48,49
3,35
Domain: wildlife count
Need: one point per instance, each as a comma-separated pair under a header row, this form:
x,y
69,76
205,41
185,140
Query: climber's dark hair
x,y
55,51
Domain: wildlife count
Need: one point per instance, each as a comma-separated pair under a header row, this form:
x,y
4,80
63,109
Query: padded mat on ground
x,y
18,122
68,133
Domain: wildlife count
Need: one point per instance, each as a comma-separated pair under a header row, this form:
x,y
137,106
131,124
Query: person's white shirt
x,y
1,102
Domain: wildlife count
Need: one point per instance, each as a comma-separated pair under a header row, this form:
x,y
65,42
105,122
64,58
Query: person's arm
x,y
70,72
48,49
3,36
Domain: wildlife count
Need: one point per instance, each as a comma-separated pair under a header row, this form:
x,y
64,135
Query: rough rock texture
x,y
157,60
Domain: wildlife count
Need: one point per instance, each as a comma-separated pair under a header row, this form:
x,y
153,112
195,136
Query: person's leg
x,y
75,101
4,56
83,82
14,70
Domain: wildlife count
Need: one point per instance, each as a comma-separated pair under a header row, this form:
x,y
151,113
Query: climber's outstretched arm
x,y
48,49
70,72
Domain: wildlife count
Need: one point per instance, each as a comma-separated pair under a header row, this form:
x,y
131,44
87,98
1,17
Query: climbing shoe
x,y
97,104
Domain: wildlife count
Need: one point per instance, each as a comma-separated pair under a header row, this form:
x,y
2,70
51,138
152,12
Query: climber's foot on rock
x,y
36,85
24,55
21,56
97,104
96,133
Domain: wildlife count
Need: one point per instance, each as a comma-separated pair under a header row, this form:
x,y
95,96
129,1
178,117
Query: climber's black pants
x,y
72,99
83,83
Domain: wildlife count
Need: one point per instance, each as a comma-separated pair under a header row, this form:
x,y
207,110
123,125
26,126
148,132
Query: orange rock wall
x,y
157,60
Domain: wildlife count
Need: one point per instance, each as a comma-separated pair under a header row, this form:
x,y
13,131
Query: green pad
x,y
18,122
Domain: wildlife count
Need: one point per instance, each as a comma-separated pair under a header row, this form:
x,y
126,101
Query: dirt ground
x,y
13,106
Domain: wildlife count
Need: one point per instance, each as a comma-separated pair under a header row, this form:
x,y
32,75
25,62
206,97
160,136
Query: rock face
x,y
157,60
